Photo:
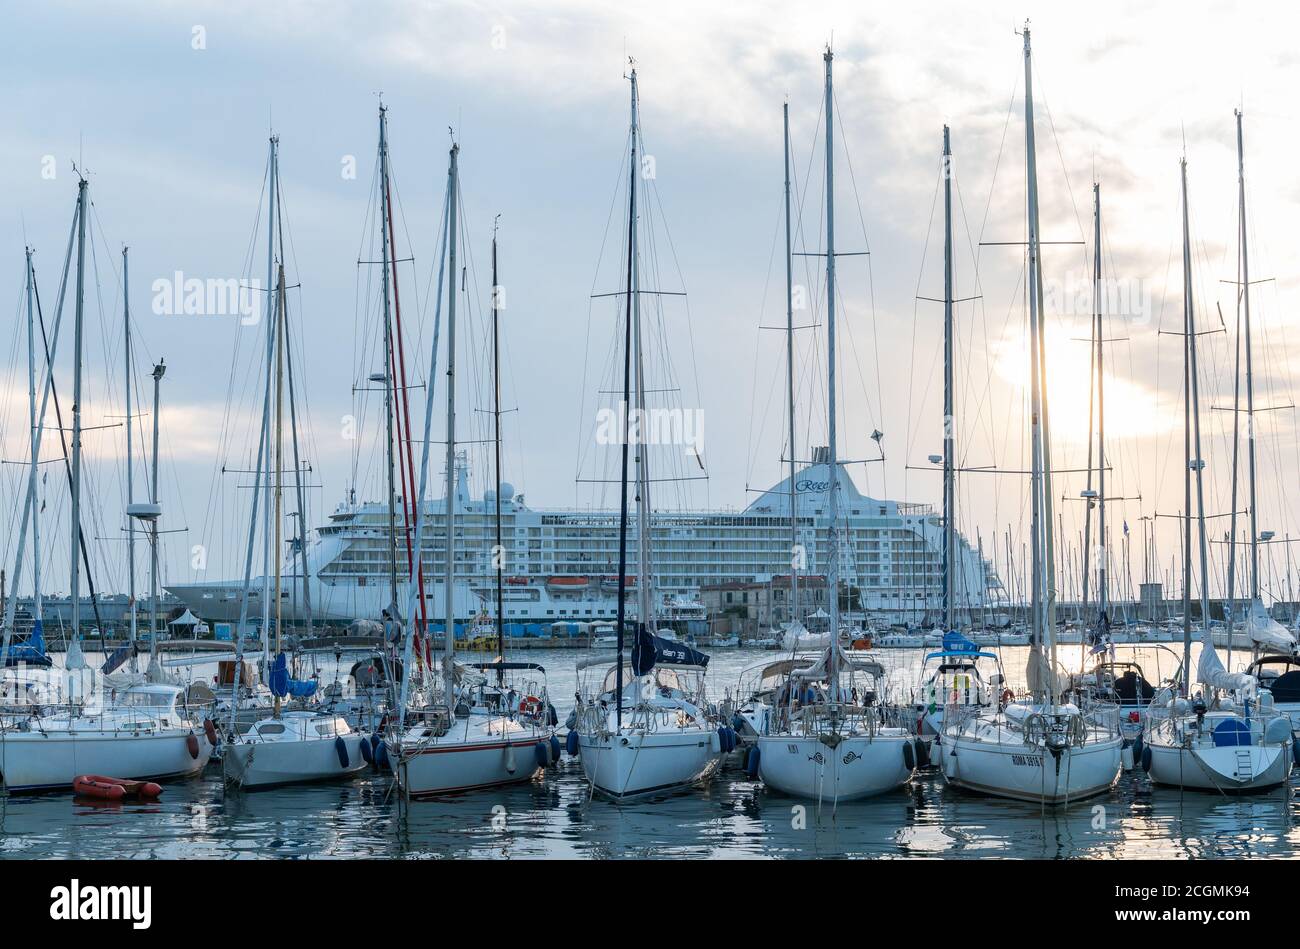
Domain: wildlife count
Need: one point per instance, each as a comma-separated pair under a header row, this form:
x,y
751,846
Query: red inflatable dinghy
x,y
114,789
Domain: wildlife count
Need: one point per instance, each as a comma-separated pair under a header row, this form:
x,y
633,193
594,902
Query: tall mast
x,y
279,458
1043,591
449,577
130,482
1250,377
833,506
1191,444
263,436
420,507
75,520
35,451
949,412
158,371
496,417
1099,344
390,445
644,576
273,206
627,403
789,377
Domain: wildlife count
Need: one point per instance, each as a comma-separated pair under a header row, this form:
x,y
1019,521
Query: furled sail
x,y
1268,632
797,637
1211,673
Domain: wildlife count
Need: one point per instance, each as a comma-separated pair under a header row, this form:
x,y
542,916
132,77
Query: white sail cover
x,y
1039,676
1211,673
797,637
1266,631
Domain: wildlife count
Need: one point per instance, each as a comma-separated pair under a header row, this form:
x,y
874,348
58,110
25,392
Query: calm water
x,y
730,817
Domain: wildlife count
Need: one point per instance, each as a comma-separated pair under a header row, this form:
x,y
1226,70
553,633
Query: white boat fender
x,y
1278,731
715,742
1126,757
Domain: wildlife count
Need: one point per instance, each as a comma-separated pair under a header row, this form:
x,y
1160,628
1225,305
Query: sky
x,y
167,107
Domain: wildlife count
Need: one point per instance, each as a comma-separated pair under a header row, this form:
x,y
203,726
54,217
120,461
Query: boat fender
x,y
922,750
571,744
909,756
381,755
737,722
552,716
1295,752
1146,758
1137,749
723,746
555,749
1278,731
149,789
542,752
210,730
192,743
715,743
751,762
341,747
367,753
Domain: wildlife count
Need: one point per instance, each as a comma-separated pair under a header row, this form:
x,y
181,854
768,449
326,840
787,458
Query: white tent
x,y
186,619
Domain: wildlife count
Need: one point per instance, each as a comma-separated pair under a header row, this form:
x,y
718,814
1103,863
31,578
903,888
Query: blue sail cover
x,y
31,651
649,649
281,685
956,642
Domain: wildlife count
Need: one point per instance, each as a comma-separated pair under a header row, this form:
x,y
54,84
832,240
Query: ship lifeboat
x,y
568,583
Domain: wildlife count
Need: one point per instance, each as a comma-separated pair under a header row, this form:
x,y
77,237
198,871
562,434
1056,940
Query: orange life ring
x,y
531,706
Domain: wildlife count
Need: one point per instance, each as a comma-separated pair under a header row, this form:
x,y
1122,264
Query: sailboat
x,y
299,745
1044,750
141,732
491,724
1230,737
958,675
643,728
1274,661
826,740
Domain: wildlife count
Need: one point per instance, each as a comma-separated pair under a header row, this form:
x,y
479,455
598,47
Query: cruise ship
x,y
562,564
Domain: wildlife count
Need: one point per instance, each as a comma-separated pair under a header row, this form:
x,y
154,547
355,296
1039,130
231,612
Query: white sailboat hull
x,y
1229,768
1029,772
627,764
252,765
36,761
469,758
806,766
